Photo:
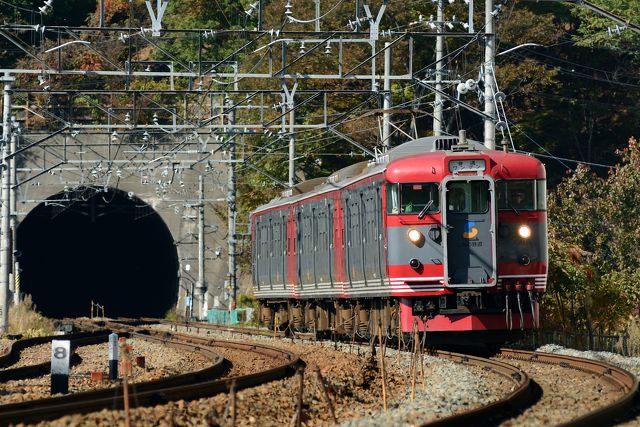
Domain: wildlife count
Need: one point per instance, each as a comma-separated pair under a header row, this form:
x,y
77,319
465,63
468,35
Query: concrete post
x,y
437,106
231,210
201,287
386,115
489,78
13,215
5,231
292,144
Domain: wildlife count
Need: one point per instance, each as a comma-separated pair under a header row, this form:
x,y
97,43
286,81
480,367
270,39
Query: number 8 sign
x,y
60,355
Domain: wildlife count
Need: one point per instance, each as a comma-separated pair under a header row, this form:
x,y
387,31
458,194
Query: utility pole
x,y
386,113
231,209
201,286
13,218
290,104
489,78
437,106
317,2
101,13
5,231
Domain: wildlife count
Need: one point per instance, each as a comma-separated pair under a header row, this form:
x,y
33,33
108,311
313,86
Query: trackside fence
x,y
229,317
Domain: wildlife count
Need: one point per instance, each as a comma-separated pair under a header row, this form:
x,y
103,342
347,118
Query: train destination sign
x,y
467,165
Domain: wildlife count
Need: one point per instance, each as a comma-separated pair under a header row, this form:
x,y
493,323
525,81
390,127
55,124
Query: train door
x,y
284,245
469,242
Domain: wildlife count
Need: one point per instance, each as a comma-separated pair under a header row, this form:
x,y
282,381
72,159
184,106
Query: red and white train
x,y
439,233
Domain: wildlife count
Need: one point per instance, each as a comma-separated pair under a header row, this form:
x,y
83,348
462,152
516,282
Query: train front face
x,y
466,240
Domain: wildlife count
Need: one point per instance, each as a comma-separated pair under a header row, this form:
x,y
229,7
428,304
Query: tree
x,y
594,225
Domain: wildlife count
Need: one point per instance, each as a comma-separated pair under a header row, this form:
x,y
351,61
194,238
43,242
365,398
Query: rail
x,y
188,386
625,381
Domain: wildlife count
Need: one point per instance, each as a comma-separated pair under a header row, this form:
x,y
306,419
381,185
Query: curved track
x,y
525,392
619,379
205,382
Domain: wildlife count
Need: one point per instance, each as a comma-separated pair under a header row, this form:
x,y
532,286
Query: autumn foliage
x,y
594,227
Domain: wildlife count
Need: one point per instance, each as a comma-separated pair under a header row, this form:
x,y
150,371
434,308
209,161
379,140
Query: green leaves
x,y
594,228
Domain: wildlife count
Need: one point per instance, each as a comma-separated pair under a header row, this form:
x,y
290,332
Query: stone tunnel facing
x,y
108,248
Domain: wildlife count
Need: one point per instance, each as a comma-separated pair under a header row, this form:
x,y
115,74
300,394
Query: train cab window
x,y
541,194
526,195
468,197
393,200
416,197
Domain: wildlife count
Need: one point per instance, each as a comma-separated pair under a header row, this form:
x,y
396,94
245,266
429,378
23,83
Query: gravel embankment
x,y
567,394
353,382
32,356
631,364
4,345
160,361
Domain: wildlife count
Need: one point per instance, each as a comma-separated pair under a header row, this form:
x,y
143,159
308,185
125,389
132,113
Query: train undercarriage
x,y
464,318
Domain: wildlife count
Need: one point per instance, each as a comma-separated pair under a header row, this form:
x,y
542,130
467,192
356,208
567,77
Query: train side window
x,y
393,203
541,194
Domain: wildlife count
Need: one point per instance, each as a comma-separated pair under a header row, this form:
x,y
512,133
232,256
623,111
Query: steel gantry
x,y
168,130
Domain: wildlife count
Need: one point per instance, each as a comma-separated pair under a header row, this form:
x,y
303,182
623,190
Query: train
x,y
438,235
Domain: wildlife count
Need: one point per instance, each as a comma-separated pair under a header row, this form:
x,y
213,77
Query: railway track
x,y
204,382
526,392
617,387
509,409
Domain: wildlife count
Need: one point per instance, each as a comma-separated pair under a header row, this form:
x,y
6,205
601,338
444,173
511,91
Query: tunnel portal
x,y
106,247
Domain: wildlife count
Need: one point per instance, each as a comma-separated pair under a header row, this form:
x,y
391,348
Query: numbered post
x,y
113,356
60,356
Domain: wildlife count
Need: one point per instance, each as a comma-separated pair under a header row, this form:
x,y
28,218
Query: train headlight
x,y
524,231
415,236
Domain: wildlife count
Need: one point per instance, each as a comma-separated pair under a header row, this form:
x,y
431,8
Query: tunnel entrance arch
x,y
108,247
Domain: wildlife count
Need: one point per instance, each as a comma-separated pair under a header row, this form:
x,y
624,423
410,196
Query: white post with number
x,y
113,356
60,357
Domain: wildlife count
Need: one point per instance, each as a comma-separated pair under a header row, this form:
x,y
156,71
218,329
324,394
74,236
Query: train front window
x,y
419,197
521,194
468,197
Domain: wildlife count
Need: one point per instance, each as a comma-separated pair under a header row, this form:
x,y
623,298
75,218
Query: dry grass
x,y
633,330
24,319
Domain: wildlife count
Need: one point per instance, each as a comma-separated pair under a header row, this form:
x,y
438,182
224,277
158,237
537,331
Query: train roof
x,y
410,156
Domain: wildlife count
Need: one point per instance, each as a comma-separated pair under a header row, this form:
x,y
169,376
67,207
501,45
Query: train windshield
x,y
413,198
468,197
521,194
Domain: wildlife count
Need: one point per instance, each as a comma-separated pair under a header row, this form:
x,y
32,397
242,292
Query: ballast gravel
x,y
631,364
160,362
353,383
4,345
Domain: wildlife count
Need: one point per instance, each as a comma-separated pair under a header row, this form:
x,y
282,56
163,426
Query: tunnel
x,y
107,247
